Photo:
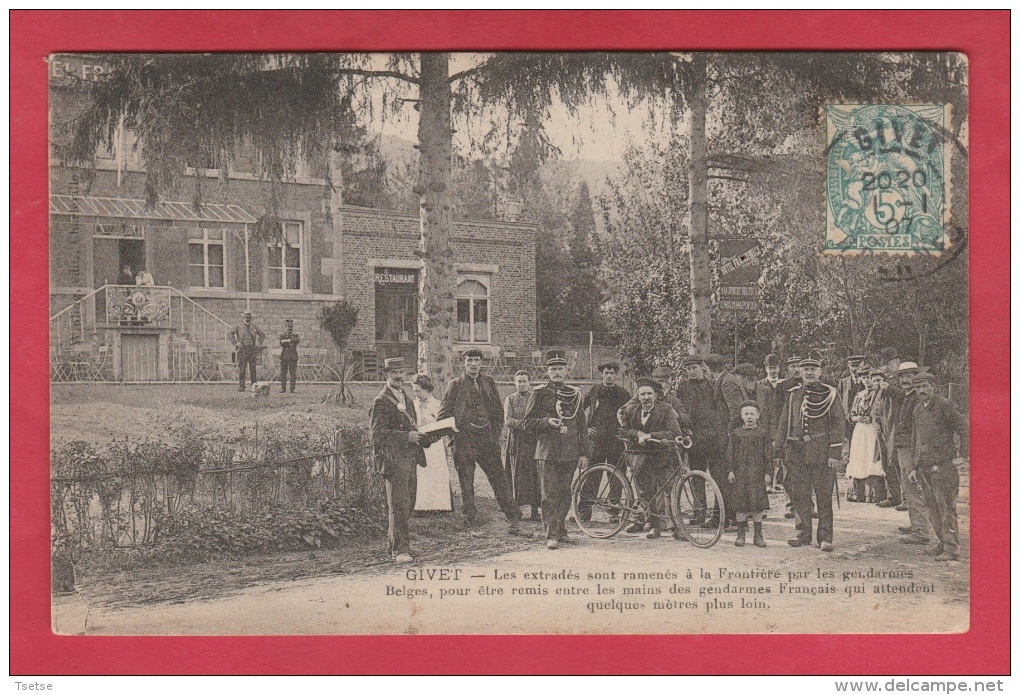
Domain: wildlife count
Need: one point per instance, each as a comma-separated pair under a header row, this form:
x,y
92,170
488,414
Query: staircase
x,y
126,333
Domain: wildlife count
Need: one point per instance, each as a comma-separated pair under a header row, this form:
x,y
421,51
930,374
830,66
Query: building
x,y
207,268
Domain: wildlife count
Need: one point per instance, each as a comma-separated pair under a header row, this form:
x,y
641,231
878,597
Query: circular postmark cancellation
x,y
886,179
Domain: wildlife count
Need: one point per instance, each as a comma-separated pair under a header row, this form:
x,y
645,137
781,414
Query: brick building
x,y
207,269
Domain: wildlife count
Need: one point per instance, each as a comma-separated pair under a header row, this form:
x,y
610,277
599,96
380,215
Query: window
x,y
205,257
285,259
473,309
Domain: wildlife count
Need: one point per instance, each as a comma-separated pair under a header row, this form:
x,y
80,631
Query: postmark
x,y
887,187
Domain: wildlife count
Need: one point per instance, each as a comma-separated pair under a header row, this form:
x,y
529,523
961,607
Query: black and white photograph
x,y
509,343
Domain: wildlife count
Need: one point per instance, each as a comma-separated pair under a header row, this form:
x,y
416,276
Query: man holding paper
x,y
398,453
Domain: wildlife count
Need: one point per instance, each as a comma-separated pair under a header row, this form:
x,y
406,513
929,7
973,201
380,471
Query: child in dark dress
x,y
750,464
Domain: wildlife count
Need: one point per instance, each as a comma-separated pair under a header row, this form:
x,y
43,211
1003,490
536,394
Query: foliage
x,y
644,255
202,532
338,320
269,489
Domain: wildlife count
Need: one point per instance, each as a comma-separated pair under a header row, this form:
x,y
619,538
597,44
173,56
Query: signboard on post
x,y
739,270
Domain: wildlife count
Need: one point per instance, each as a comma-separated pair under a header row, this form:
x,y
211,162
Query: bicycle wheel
x,y
601,501
697,506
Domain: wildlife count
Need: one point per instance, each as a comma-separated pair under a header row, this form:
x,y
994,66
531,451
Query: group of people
x,y
248,340
745,432
141,278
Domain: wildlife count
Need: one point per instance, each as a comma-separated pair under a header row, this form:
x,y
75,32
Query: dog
x,y
260,388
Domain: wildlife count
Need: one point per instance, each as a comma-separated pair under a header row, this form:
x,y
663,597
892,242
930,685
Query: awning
x,y
136,209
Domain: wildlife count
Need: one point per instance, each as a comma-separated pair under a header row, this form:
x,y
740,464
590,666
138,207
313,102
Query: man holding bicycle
x,y
650,428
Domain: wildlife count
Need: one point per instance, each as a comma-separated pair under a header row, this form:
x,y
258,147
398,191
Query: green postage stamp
x,y
887,184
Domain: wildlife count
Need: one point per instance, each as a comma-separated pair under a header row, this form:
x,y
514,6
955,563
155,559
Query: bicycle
x,y
694,502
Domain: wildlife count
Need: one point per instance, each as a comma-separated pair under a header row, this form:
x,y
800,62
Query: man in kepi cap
x,y
472,400
398,449
810,431
554,413
935,423
247,339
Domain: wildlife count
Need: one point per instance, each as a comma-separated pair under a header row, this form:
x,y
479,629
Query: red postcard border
x,y
982,35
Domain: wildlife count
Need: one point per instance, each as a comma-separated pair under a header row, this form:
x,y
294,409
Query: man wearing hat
x,y
398,449
889,359
288,356
935,465
707,421
901,425
810,431
555,414
600,405
247,339
472,400
651,427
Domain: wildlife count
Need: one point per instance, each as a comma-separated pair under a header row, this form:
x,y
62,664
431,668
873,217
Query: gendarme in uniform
x,y
555,415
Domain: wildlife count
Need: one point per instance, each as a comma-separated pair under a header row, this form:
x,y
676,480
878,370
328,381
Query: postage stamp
x,y
887,178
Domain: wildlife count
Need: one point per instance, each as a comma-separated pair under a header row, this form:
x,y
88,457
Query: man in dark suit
x,y
650,427
600,405
472,400
810,432
708,427
288,356
398,453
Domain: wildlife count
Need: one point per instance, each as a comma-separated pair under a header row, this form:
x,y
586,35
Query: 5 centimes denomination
x,y
887,186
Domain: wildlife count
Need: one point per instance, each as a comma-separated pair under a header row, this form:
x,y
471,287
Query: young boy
x,y
749,455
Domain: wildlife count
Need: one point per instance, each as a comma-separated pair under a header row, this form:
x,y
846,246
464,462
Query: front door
x,y
396,314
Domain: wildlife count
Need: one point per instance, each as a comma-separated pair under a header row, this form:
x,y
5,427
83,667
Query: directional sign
x,y
739,271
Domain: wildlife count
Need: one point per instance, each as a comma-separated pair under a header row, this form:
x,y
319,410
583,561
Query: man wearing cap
x,y
810,430
663,375
901,426
738,388
850,385
600,405
935,465
707,423
398,449
247,339
288,356
472,400
555,414
792,379
770,401
651,427
881,415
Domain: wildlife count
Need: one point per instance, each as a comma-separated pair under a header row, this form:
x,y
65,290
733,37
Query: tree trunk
x,y
435,139
335,201
701,276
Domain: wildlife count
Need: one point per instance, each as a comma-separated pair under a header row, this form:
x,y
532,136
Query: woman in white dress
x,y
865,467
434,493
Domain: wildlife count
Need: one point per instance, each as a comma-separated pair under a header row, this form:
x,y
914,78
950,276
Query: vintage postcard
x,y
509,343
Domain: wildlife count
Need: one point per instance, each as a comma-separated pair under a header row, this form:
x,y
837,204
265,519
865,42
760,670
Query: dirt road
x,y
870,583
